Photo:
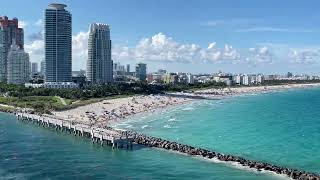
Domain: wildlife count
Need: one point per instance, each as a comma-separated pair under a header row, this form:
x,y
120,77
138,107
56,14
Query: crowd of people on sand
x,y
101,113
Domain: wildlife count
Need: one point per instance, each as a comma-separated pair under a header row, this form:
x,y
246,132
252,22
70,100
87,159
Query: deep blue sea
x,y
281,128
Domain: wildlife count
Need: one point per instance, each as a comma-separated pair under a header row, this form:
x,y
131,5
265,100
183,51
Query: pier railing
x,y
98,135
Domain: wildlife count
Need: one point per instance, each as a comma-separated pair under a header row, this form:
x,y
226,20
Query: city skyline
x,y
216,36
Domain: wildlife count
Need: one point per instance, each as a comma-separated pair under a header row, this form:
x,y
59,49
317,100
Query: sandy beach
x,y
234,91
101,114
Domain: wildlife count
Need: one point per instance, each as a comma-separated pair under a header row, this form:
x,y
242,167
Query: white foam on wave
x,y
187,109
144,126
168,126
235,165
172,120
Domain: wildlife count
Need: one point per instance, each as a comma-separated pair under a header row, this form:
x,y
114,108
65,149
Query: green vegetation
x,y
44,100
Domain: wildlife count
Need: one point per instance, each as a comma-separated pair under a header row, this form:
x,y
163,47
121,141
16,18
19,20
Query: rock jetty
x,y
194,151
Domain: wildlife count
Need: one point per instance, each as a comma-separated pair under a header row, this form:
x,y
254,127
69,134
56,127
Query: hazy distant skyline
x,y
192,36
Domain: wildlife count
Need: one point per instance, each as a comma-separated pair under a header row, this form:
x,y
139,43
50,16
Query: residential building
x,y
58,44
18,65
190,79
162,71
246,80
42,68
260,79
128,68
34,68
141,71
150,78
9,32
99,64
170,78
238,79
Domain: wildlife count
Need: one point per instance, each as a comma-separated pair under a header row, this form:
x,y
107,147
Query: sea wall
x,y
193,151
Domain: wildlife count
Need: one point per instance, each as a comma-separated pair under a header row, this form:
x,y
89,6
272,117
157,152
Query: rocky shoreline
x,y
193,151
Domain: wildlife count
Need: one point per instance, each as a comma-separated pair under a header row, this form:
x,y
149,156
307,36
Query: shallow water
x,y
281,128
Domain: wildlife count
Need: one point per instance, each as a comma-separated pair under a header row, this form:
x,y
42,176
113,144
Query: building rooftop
x,y
57,6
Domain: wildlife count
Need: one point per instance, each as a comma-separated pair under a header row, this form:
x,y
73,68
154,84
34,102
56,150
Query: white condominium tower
x,y
58,44
18,65
99,64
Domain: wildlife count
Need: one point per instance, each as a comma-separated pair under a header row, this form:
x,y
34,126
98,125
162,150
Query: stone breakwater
x,y
193,151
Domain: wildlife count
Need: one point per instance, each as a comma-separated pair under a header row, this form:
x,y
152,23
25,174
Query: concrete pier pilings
x,y
98,135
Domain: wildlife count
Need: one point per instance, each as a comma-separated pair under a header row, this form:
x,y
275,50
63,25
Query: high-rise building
x,y
58,44
9,32
128,68
141,71
99,64
43,68
18,65
34,68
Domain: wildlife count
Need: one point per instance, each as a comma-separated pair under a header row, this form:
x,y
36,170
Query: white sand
x,y
218,93
101,113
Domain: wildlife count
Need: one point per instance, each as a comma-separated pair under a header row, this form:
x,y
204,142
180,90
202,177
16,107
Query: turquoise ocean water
x,y
282,128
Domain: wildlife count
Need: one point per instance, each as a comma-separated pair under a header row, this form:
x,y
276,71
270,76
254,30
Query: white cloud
x,y
275,29
162,48
39,23
22,24
80,50
304,56
35,50
259,55
230,22
159,48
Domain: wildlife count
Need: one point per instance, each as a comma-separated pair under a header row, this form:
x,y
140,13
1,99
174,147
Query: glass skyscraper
x,y
141,71
58,44
99,64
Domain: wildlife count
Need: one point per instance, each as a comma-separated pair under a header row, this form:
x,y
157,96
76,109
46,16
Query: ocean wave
x,y
168,126
144,126
8,175
172,120
187,109
234,165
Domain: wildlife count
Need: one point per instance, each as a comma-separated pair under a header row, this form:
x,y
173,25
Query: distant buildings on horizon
x,y
56,68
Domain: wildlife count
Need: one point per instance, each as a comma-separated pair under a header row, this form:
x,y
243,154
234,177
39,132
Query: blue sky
x,y
245,36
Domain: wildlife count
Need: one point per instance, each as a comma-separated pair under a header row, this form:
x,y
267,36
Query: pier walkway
x,y
98,135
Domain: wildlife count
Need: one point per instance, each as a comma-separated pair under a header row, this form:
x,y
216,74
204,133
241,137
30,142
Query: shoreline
x,y
115,111
243,90
234,161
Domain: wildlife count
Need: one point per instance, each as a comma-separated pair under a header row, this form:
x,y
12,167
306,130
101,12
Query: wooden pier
x,y
102,136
